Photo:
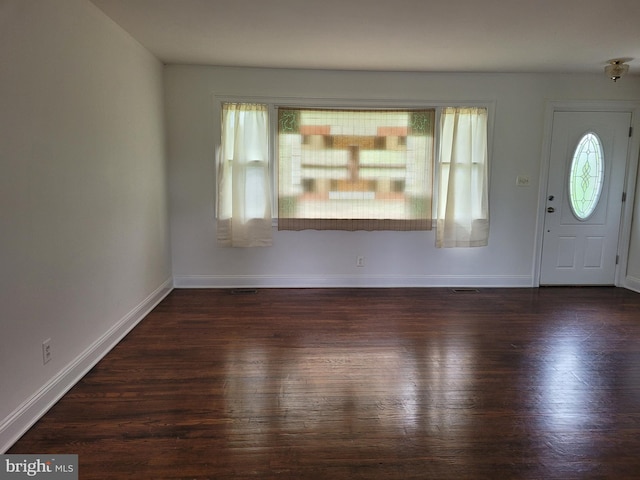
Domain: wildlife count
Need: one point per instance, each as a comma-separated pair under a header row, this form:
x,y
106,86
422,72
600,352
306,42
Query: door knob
x,y
551,209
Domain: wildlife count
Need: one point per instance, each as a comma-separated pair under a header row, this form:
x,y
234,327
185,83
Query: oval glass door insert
x,y
586,177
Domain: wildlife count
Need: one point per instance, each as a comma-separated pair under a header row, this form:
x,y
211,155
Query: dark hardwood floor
x,y
363,384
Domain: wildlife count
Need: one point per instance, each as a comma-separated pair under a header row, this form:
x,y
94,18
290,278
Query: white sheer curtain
x,y
463,195
244,193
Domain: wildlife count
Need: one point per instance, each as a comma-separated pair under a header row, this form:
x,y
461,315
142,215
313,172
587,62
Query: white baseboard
x,y
632,283
27,414
349,281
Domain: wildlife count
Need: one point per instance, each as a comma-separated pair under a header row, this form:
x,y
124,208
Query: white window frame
x,y
274,103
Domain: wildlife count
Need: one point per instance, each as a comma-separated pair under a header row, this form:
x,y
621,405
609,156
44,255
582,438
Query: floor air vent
x,y
465,290
243,291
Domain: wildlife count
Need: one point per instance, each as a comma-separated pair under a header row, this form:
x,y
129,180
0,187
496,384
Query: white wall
x,y
84,242
312,258
632,279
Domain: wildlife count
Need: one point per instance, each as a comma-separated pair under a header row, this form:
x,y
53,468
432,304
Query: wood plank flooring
x,y
363,384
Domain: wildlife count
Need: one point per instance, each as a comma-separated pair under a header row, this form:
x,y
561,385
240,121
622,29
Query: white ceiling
x,y
409,35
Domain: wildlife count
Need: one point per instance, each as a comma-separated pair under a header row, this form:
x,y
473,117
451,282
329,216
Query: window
x,y
463,192
244,193
586,177
355,169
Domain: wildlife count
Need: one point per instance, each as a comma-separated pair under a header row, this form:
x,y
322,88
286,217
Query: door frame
x,y
630,177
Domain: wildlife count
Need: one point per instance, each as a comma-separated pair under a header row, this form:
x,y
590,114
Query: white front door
x,y
587,166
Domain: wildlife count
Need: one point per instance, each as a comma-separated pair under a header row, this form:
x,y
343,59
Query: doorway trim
x,y
630,177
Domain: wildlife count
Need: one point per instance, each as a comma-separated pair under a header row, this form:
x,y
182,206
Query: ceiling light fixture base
x,y
616,69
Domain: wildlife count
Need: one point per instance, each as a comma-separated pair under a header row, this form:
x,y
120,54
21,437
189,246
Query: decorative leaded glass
x,y
586,177
420,123
288,121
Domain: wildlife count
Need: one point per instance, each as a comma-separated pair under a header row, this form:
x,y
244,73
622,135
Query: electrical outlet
x,y
359,261
46,351
522,181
